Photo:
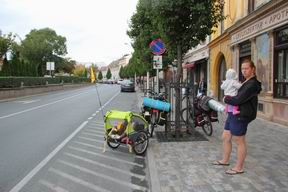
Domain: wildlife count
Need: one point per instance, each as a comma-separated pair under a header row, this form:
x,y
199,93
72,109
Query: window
x,y
251,6
244,53
221,77
281,64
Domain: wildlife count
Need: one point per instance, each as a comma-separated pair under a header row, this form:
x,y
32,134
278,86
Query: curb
x,y
154,178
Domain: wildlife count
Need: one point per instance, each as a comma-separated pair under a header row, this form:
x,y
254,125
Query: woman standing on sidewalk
x,y
236,125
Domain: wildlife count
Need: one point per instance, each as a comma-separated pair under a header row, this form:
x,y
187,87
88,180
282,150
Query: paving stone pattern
x,y
187,166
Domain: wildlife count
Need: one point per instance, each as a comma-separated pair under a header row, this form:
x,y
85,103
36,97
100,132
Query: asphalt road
x,y
53,142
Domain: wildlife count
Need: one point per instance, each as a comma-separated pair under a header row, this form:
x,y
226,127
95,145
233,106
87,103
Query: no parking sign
x,y
157,46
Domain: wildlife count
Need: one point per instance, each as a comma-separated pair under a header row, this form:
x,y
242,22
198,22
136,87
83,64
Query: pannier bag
x,y
213,116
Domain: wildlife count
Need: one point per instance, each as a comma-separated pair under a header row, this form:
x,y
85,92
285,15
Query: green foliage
x,y
121,72
14,82
187,22
6,42
100,76
144,29
108,74
41,46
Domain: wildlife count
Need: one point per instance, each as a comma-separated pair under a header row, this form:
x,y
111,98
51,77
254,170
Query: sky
x,y
95,29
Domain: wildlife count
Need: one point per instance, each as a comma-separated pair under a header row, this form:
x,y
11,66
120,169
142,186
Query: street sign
x,y
157,46
50,66
157,62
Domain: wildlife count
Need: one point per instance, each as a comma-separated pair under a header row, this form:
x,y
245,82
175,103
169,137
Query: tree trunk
x,y
177,90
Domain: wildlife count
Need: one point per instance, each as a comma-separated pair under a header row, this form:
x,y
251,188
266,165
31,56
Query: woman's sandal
x,y
233,172
220,163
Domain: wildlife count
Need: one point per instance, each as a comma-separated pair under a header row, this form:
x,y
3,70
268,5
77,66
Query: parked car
x,y
127,85
119,81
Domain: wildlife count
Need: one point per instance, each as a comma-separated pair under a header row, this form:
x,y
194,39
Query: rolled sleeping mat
x,y
156,104
216,106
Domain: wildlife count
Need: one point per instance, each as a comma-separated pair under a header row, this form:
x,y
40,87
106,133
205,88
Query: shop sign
x,y
274,20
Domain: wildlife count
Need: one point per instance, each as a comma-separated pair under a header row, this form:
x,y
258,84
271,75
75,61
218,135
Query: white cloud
x,y
95,30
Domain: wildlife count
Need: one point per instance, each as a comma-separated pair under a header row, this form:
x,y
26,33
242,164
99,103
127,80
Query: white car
x,y
119,81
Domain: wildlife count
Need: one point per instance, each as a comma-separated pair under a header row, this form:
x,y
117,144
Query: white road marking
x,y
94,135
141,177
90,139
88,171
40,106
105,156
52,186
78,181
101,149
27,101
34,171
90,118
95,131
28,177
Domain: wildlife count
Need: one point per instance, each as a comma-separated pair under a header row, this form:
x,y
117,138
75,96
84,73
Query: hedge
x,y
14,82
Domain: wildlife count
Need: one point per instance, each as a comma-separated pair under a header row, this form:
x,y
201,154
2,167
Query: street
x,y
54,142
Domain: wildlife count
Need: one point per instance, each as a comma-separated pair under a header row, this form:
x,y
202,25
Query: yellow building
x,y
258,30
220,55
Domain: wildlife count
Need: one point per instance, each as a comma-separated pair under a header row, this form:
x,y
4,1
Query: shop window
x,y
281,64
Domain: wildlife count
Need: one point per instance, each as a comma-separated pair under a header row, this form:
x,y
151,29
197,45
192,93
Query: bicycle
x,y
154,116
197,115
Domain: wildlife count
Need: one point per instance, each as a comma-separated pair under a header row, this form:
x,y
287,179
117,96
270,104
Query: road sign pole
x,y
158,86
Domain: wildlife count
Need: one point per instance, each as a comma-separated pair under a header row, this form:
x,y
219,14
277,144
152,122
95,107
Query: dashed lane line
x,y
93,134
95,131
87,160
31,174
105,156
52,187
78,181
40,106
93,140
88,171
101,149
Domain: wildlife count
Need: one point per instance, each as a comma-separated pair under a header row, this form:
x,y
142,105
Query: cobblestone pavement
x,y
187,166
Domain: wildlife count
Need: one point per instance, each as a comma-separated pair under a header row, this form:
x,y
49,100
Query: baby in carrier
x,y
118,131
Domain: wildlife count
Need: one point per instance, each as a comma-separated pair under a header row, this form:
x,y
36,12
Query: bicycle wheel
x,y
141,143
113,143
207,126
186,117
153,120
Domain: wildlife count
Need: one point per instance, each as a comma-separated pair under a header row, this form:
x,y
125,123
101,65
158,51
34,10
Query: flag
x,y
92,76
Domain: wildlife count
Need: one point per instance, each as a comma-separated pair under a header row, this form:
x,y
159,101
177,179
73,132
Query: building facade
x,y
262,36
258,30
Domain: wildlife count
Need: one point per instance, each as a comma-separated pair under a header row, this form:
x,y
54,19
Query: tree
x,y
41,46
108,74
100,76
6,43
79,70
184,23
121,72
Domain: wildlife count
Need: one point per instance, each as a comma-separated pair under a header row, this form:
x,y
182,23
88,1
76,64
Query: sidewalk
x,y
187,166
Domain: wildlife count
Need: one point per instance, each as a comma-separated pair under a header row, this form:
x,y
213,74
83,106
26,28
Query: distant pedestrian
x,y
236,125
202,87
230,87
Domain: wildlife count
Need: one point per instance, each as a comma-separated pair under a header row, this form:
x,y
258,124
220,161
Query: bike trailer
x,y
135,134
